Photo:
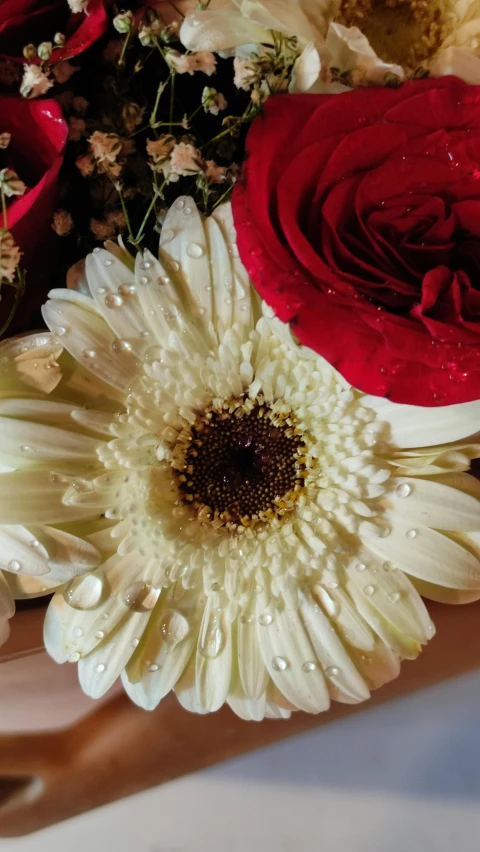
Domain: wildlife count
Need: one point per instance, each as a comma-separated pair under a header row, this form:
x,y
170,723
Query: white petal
x,y
28,444
306,70
426,554
253,674
109,278
434,504
89,339
21,552
458,63
415,426
286,648
165,650
101,668
220,30
213,659
35,497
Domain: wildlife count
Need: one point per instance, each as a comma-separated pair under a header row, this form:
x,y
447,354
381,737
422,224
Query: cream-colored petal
x,y
415,426
434,504
35,497
221,30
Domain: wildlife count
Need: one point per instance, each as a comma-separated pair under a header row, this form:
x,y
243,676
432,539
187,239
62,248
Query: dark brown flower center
x,y
243,463
405,32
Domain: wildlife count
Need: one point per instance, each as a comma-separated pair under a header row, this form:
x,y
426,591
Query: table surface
x,y
403,777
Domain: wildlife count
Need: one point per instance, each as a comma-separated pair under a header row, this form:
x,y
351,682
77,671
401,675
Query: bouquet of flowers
x,y
237,439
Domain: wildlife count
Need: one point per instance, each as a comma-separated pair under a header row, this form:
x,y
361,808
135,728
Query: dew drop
x,y
174,627
100,668
134,643
143,280
195,250
113,301
96,250
332,671
77,632
119,345
188,211
89,353
215,587
360,566
175,265
14,565
153,667
163,280
369,591
388,566
145,264
74,658
430,630
280,664
85,592
411,533
127,289
141,597
258,588
332,584
99,634
403,490
59,330
384,531
24,448
108,262
34,543
265,619
247,619
212,636
309,667
394,597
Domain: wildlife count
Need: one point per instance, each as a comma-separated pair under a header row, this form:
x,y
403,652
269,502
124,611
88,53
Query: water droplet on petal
x,y
113,301
265,619
143,280
280,664
175,265
145,264
188,211
369,591
309,667
74,658
394,597
174,627
388,566
195,250
411,533
89,353
59,330
153,667
108,262
164,279
77,632
99,634
100,668
85,592
360,566
127,289
119,345
212,637
141,597
24,448
332,671
403,490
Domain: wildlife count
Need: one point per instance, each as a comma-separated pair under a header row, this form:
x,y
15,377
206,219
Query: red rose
x,y
38,136
24,22
358,218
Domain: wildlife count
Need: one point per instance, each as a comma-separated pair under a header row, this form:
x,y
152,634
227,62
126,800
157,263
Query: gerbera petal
x,y
26,444
221,30
90,340
286,649
114,289
415,426
214,659
35,497
249,709
426,554
98,671
435,504
253,674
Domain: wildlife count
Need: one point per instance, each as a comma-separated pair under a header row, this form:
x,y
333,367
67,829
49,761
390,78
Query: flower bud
x,y
45,50
123,22
30,51
10,183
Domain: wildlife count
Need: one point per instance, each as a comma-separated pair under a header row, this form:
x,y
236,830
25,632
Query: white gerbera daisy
x,y
365,41
257,517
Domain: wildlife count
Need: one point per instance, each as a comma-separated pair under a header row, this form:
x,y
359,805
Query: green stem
x,y
125,213
125,43
172,99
